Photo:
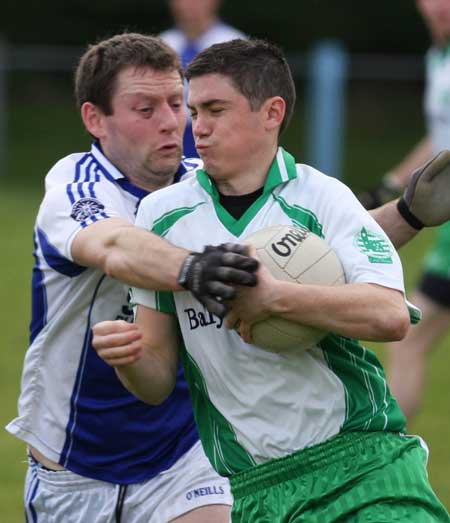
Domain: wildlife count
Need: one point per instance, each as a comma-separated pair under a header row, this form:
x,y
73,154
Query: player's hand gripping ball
x,y
295,255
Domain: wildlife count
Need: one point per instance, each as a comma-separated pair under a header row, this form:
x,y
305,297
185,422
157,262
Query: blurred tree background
x,y
384,118
382,26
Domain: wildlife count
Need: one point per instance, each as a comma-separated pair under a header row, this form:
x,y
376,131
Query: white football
x,y
297,255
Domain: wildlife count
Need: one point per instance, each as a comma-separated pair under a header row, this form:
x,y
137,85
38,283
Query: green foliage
x,y
382,26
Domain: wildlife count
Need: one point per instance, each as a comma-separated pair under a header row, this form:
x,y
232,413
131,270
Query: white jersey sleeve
x,y
364,249
68,208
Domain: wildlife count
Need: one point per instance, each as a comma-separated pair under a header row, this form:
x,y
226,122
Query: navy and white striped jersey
x,y
72,407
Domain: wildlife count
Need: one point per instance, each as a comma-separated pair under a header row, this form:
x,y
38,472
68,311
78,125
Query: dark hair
x,y
258,70
98,68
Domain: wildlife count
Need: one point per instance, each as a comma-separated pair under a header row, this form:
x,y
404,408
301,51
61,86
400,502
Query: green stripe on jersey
x,y
165,302
369,403
282,170
218,439
300,216
415,314
163,224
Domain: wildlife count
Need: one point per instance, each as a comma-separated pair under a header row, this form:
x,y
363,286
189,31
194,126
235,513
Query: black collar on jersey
x,y
237,205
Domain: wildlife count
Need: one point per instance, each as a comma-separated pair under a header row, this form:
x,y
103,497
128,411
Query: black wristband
x,y
182,277
408,216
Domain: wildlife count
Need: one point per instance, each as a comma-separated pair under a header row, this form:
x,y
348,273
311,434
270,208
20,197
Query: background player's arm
x,y
129,254
425,201
144,354
357,310
419,155
391,221
394,181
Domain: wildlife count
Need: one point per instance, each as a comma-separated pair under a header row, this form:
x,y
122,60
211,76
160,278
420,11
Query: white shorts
x,y
65,497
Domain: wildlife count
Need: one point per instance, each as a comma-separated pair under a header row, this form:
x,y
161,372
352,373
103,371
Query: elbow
x,y
394,326
112,259
154,396
155,399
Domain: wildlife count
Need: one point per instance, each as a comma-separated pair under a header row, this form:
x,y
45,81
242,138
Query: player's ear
x,y
274,110
93,119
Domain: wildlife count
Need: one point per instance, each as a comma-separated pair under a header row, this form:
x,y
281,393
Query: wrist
x,y
278,300
408,216
186,265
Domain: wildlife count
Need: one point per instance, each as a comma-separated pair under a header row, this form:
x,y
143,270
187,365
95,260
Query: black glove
x,y
426,200
377,196
212,275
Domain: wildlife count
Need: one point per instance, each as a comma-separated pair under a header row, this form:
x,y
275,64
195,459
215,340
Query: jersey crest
x,y
374,246
85,208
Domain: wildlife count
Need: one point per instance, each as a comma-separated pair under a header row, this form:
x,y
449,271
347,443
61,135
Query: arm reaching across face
x,y
142,259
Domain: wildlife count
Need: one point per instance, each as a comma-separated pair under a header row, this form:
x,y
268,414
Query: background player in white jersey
x,y
197,26
311,436
97,453
408,359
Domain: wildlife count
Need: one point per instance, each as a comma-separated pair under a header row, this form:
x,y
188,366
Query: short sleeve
x,y
364,249
68,208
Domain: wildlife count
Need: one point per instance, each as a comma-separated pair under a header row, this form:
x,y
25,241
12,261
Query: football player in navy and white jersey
x,y
197,26
96,452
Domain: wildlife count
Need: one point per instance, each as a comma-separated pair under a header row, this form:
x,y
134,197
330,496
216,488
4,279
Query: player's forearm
x,y
129,254
421,153
390,220
151,378
142,259
362,311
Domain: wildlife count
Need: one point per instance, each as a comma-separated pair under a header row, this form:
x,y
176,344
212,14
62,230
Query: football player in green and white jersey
x,y
312,436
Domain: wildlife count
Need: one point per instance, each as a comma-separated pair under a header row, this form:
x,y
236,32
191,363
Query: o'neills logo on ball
x,y
284,246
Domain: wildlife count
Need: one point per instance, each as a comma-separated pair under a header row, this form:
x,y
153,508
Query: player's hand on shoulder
x,y
214,274
117,342
427,196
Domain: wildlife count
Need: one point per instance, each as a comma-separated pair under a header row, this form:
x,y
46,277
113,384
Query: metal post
x,y
326,107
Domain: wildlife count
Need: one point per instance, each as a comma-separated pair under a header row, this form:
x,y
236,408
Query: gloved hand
x,y
212,275
386,191
426,200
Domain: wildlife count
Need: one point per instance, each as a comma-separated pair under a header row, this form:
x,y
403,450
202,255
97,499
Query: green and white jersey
x,y
437,97
251,405
437,109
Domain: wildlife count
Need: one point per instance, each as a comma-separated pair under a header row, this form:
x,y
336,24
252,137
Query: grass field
x,y
40,135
